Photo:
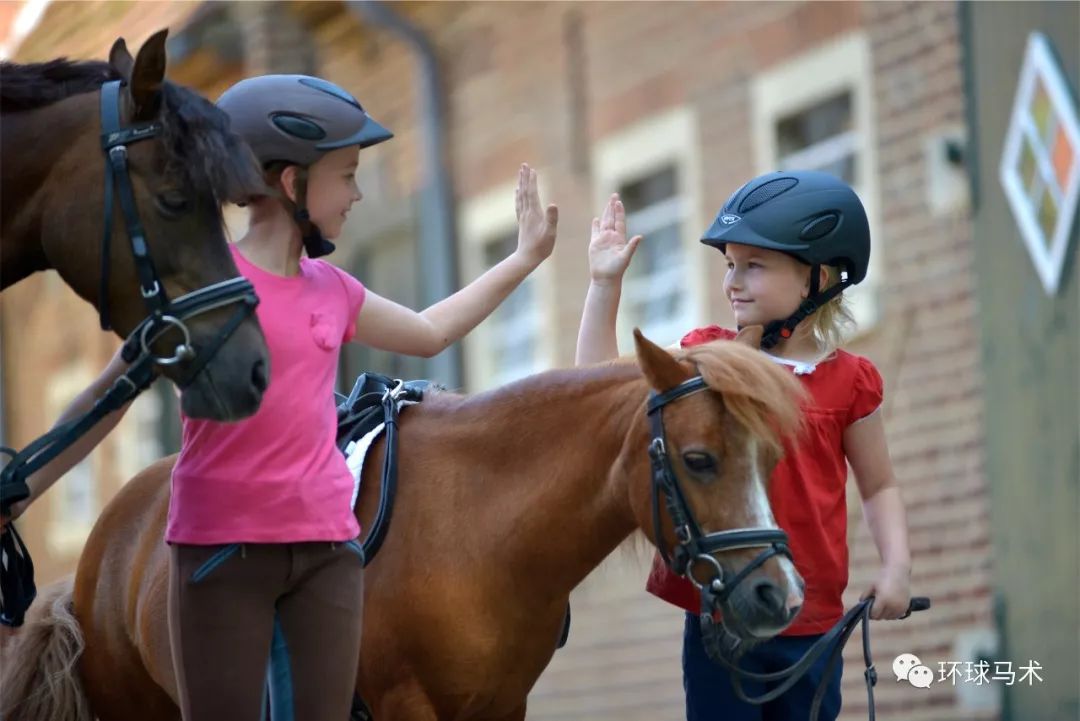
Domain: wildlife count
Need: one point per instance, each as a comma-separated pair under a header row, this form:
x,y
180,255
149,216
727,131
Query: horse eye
x,y
700,462
172,203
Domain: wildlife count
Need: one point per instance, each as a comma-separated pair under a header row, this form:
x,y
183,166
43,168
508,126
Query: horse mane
x,y
35,85
195,132
762,396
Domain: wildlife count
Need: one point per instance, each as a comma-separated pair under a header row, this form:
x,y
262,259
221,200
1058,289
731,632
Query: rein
x,y
717,646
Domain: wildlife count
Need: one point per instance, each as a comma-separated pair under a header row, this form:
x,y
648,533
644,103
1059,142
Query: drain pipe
x,y
437,242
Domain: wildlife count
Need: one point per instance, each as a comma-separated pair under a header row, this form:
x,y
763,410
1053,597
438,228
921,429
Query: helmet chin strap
x,y
314,242
778,330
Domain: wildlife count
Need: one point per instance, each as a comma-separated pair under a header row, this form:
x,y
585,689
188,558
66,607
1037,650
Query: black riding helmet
x,y
298,119
812,216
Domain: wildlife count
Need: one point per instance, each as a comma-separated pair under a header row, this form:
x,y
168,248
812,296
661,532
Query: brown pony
x,y
52,193
506,501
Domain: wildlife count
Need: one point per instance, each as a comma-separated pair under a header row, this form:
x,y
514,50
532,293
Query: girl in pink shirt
x,y
261,529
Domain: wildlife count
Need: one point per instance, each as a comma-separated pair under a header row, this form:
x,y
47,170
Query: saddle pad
x,y
356,452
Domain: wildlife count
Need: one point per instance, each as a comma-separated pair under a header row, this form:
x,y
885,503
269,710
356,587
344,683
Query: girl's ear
x,y
288,182
823,281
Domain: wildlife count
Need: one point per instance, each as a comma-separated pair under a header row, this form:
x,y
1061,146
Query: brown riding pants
x,y
257,623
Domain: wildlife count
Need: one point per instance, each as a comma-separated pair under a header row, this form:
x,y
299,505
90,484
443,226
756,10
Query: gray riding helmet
x,y
298,118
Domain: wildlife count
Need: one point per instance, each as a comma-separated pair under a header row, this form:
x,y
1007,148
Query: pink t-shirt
x,y
277,477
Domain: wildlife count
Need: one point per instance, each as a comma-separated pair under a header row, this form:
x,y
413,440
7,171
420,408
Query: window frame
x,y
668,138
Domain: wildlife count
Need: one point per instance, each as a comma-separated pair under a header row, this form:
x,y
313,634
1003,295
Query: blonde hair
x,y
831,322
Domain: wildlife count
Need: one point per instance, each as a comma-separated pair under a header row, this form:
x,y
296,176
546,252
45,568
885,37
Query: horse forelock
x,y
762,396
201,146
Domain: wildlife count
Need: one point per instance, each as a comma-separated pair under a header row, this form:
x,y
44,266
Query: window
x,y
655,294
819,138
655,167
138,441
513,331
514,341
76,499
387,265
814,112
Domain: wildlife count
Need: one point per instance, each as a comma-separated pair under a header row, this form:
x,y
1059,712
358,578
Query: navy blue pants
x,y
710,695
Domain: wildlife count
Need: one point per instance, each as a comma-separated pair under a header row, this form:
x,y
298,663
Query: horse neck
x,y
42,149
557,453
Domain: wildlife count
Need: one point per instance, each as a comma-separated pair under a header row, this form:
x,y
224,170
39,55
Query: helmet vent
x,y
297,126
330,89
766,192
820,227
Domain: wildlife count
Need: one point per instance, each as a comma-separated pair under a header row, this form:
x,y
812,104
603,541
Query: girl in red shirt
x,y
793,242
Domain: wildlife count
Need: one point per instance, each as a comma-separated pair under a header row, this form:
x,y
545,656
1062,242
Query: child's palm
x,y
537,226
609,250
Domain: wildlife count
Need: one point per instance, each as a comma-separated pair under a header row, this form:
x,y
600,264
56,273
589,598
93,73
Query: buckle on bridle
x,y
154,290
395,392
657,449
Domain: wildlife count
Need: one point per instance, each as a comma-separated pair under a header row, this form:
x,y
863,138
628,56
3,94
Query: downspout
x,y
437,241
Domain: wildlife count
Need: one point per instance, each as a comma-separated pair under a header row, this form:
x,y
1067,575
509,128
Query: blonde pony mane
x,y
764,397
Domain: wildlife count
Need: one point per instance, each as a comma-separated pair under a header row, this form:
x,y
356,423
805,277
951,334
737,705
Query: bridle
x,y
163,314
692,544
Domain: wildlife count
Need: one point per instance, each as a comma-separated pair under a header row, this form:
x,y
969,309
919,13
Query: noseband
x,y
164,315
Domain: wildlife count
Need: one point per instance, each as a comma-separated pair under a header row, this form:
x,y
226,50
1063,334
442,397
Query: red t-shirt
x,y
807,489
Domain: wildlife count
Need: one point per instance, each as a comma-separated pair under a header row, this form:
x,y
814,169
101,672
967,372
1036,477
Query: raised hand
x,y
609,250
537,226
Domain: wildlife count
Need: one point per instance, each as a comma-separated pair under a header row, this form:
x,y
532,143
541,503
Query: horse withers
x,y
505,502
169,162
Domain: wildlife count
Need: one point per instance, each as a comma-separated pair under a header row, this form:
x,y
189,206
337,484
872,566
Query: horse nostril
x,y
258,376
771,597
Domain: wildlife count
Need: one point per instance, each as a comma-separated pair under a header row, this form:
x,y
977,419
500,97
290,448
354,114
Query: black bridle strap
x,y
114,142
687,387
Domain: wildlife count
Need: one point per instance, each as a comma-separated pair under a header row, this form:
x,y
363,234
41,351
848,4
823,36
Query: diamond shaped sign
x,y
1040,163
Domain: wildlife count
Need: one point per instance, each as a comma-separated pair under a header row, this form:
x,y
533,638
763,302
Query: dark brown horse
x,y
506,501
53,195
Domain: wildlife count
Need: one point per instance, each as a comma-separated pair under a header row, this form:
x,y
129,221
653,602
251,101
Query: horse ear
x,y
120,59
751,336
147,76
660,368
